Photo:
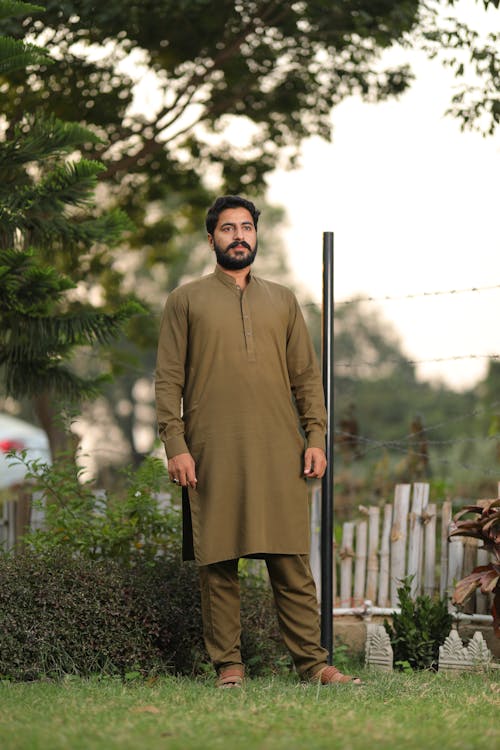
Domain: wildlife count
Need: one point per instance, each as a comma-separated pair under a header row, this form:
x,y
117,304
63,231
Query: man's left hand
x,y
314,463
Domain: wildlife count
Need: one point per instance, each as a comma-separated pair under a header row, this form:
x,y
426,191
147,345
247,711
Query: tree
x,y
234,88
43,202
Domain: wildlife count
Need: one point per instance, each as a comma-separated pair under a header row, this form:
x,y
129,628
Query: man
x,y
235,350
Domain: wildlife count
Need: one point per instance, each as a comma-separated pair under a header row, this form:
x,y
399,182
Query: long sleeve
x,y
170,374
305,379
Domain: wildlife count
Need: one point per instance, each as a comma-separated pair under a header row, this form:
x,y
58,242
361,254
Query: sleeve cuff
x,y
175,445
316,440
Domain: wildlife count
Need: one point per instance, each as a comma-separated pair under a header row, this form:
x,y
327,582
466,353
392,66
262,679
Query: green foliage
x,y
43,199
130,526
65,615
61,614
418,631
37,138
37,337
13,8
240,59
14,53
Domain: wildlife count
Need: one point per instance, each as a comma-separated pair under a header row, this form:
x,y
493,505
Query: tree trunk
x,y
60,440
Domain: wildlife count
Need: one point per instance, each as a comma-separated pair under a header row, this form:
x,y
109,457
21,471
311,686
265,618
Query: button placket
x,y
247,328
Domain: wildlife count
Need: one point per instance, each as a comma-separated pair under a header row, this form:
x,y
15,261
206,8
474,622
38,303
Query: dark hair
x,y
229,201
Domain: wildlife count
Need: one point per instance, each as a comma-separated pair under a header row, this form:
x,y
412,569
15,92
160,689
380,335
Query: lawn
x,y
389,711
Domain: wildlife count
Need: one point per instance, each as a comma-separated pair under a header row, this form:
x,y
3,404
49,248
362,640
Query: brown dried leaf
x,y
487,504
467,509
492,521
464,532
467,585
489,580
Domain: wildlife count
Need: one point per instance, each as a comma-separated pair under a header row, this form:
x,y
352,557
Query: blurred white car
x,y
18,435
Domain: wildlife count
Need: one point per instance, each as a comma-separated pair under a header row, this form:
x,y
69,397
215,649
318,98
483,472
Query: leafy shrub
x,y
418,631
61,614
130,527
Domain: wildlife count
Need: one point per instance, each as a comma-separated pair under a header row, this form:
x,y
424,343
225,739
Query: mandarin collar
x,y
227,279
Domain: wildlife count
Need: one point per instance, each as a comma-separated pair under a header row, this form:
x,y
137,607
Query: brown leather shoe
x,y
333,676
231,677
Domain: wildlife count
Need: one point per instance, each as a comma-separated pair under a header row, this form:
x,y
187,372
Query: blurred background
x,y
374,120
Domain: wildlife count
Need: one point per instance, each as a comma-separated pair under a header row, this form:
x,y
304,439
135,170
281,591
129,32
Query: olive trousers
x,y
296,604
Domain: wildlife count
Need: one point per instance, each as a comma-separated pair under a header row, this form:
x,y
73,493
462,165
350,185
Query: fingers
x,y
182,471
314,463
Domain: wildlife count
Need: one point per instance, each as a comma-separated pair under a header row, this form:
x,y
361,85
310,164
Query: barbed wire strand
x,y
454,358
414,295
436,459
436,443
479,411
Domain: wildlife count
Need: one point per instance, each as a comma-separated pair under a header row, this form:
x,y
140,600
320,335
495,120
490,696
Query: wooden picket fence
x,y
406,537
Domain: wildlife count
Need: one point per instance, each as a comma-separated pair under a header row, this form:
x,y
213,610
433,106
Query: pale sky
x,y
413,204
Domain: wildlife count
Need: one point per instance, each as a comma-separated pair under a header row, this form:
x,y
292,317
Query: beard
x,y
235,262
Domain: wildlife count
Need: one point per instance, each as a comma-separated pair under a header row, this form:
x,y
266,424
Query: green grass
x,y
420,710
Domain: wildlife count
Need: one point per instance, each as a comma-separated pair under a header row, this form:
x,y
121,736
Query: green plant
x,y
61,615
486,528
418,630
128,527
65,614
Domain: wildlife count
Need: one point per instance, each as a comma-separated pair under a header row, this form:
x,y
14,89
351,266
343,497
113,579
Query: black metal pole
x,y
327,481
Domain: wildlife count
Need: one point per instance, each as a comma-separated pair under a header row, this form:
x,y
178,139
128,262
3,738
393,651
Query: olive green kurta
x,y
235,358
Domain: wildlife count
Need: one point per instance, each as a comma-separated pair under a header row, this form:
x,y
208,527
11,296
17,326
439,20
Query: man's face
x,y
235,239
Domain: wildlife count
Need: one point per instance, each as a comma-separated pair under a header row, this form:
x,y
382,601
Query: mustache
x,y
238,243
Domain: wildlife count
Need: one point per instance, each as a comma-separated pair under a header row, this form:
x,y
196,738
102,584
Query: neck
x,y
240,276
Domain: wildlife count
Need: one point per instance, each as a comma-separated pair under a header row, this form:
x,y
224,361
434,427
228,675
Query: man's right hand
x,y
181,470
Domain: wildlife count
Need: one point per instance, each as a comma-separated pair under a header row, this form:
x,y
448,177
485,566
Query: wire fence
x,y
463,446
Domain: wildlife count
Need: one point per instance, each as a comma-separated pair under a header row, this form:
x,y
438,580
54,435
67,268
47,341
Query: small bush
x,y
130,527
417,632
70,615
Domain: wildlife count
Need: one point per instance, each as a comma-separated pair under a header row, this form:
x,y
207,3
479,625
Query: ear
x,y
210,241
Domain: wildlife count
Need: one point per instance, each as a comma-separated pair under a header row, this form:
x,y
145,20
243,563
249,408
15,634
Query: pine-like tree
x,y
46,203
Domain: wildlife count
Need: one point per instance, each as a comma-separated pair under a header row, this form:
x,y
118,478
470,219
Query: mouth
x,y
239,246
